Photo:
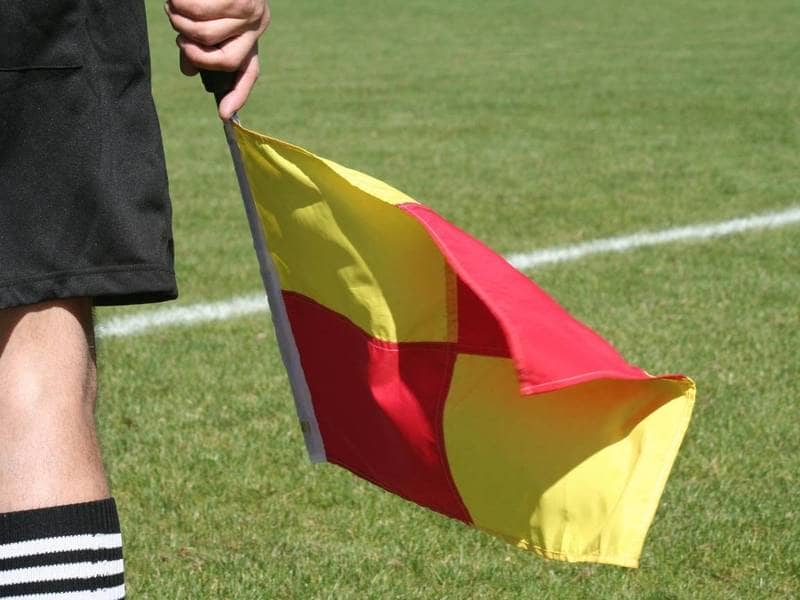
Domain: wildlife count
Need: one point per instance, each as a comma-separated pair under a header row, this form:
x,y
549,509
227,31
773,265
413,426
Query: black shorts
x,y
84,204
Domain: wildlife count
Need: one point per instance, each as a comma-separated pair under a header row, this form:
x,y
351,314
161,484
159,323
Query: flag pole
x,y
220,83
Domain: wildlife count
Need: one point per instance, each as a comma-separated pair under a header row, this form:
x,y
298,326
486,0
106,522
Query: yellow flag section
x,y
440,373
581,479
322,251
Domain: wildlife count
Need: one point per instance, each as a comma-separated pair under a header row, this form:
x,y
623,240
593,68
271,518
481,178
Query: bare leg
x,y
48,447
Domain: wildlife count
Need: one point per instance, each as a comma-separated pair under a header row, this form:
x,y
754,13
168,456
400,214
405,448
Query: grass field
x,y
529,124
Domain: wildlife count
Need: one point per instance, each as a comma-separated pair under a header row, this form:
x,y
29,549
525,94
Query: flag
x,y
423,362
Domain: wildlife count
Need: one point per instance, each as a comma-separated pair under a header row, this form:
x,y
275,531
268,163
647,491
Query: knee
x,y
47,364
31,395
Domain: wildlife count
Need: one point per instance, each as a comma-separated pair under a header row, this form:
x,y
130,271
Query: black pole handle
x,y
218,83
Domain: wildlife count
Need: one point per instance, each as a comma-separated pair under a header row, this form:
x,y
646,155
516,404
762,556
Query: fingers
x,y
236,98
209,33
208,10
228,18
187,68
201,40
220,35
227,56
245,80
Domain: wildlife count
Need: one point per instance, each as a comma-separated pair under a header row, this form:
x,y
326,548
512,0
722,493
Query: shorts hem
x,y
108,286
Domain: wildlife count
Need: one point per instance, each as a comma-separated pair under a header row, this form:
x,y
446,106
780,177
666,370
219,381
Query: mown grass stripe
x,y
246,305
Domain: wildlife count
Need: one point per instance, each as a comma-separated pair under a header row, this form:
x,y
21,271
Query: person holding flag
x,y
85,220
420,360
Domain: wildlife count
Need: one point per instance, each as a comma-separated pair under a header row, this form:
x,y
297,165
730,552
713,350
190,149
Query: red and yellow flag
x,y
423,362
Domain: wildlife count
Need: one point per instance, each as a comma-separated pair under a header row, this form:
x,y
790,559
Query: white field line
x,y
625,243
182,315
247,305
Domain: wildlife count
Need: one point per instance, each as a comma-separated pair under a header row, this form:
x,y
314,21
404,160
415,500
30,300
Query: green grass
x,y
529,125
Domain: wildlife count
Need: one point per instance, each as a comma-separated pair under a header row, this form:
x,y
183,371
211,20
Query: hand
x,y
221,35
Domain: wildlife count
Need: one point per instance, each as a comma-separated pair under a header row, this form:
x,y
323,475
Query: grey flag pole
x,y
219,83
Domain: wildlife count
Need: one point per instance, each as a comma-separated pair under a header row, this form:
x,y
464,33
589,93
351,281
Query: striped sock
x,y
71,552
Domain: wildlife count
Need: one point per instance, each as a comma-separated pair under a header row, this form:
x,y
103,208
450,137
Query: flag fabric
x,y
423,362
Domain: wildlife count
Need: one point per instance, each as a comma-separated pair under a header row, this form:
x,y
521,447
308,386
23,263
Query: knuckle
x,y
229,63
256,11
238,7
179,7
191,55
190,8
223,62
204,35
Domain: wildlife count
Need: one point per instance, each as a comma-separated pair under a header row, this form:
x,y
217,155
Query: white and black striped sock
x,y
71,552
